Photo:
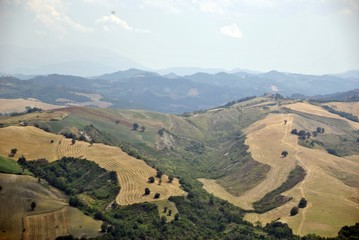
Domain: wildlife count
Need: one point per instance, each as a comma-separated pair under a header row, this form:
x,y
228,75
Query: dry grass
x,y
18,105
132,173
36,116
51,211
95,100
331,203
309,108
349,107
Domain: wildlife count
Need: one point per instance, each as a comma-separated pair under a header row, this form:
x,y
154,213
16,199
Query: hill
x,y
235,151
19,105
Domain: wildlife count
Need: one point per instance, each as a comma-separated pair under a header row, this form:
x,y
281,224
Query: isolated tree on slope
x,y
284,153
33,206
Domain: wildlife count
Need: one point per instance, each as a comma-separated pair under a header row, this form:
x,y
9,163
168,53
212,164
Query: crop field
x,y
33,117
330,185
349,107
18,105
51,208
132,173
312,109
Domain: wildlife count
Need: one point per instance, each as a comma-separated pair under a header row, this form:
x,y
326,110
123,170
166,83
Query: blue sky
x,y
303,36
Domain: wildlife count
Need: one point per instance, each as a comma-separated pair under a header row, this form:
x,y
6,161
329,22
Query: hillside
x,y
132,173
234,150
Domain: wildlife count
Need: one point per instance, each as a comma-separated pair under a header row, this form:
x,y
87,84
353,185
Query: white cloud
x,y
112,19
52,14
231,31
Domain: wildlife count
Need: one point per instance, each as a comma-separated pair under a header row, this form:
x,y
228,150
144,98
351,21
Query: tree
x,y
73,141
13,152
33,206
315,133
170,178
151,179
0,188
301,133
284,153
169,212
302,203
135,126
157,195
308,134
104,227
21,160
163,220
319,129
165,209
159,174
147,191
323,130
176,217
294,131
294,211
143,128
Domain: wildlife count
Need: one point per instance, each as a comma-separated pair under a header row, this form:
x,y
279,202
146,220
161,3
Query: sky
x,y
301,36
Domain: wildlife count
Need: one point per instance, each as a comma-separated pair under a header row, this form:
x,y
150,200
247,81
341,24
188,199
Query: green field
x,y
9,166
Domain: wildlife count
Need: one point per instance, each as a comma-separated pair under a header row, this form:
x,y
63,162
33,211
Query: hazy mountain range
x,y
172,93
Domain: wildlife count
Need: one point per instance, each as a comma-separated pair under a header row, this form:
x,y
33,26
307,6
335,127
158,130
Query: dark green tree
x,y
151,179
284,153
294,211
135,126
157,195
176,217
302,203
147,191
33,206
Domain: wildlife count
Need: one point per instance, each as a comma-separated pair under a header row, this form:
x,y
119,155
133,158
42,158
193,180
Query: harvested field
x,y
349,107
18,105
332,203
51,208
132,173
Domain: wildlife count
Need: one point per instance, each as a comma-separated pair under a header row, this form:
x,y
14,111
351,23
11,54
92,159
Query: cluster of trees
x,y
302,204
342,114
227,105
45,128
33,109
302,134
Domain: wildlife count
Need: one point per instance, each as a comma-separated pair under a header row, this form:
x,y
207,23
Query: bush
x,y
302,203
157,195
294,211
147,191
151,179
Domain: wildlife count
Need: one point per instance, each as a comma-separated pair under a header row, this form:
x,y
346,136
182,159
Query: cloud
x,y
52,14
112,19
231,31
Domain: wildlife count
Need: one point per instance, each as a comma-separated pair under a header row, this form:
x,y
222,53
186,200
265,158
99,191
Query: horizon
x,y
310,37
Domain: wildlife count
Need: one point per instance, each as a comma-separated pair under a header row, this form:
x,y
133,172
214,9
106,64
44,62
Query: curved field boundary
x,y
132,173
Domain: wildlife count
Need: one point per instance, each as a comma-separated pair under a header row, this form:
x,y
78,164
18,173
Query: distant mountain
x,y
73,60
352,95
170,93
348,74
182,71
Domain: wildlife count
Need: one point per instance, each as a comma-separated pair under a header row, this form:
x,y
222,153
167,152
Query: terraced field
x,y
132,173
52,216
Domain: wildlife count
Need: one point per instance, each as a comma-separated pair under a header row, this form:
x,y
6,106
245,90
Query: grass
x,y
9,166
273,199
16,196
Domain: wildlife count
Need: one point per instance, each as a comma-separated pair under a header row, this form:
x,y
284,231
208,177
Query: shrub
x,y
302,203
294,211
157,195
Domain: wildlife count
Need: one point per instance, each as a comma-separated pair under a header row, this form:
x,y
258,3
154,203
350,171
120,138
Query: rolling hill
x,y
232,152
